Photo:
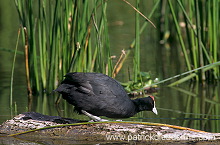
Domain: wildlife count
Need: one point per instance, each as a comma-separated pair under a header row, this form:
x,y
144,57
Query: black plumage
x,y
101,95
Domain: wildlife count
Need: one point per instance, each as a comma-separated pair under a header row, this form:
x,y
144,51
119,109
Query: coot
x,y
100,95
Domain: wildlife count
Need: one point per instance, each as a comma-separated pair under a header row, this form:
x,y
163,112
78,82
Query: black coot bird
x,y
100,95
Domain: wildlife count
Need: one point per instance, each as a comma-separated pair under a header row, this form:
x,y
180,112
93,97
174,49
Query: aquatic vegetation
x,y
72,36
68,36
194,24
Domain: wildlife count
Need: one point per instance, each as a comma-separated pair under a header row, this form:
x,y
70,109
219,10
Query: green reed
x,y
196,24
137,43
64,36
12,70
68,36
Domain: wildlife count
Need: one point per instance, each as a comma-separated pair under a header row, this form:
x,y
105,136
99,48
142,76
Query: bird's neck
x,y
139,106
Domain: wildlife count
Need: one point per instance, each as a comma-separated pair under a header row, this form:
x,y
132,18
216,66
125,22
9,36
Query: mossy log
x,y
83,132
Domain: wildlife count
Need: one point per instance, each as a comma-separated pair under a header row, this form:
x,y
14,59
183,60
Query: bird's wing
x,y
79,82
85,87
109,86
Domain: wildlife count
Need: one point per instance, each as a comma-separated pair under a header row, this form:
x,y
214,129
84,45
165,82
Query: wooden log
x,y
97,132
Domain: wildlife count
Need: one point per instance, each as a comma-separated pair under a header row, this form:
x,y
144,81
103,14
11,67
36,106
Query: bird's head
x,y
146,104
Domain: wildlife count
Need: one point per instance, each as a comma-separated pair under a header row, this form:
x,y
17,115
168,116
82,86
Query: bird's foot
x,y
101,120
93,117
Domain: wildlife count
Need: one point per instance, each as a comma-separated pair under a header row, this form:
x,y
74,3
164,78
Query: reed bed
x,y
63,36
72,35
195,24
68,36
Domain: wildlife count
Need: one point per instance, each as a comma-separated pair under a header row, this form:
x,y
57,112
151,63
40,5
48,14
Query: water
x,y
190,105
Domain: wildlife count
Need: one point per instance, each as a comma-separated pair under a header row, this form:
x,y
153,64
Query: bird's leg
x,y
93,117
